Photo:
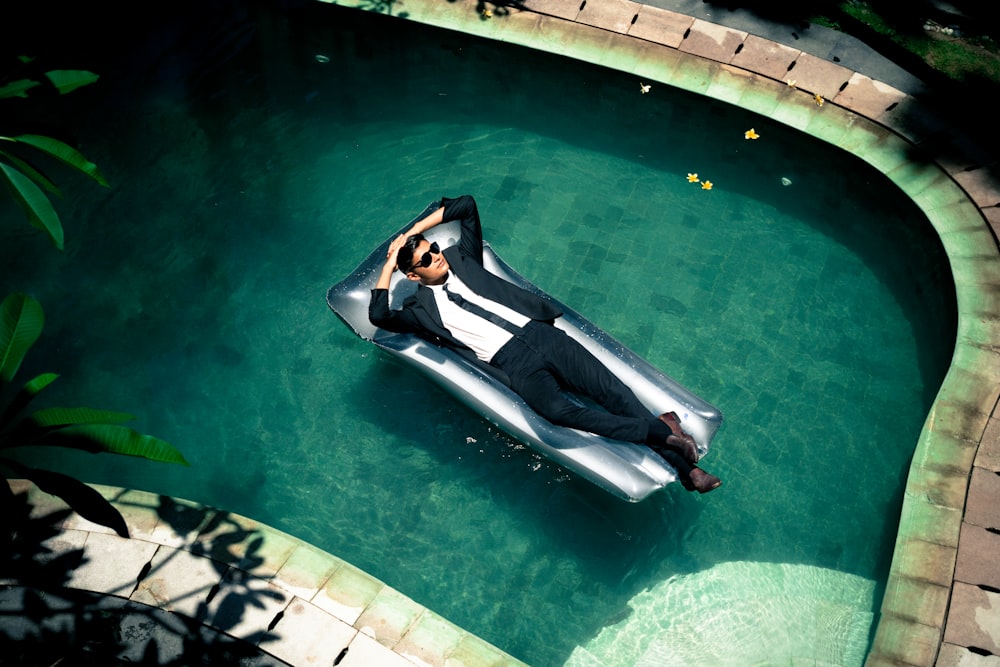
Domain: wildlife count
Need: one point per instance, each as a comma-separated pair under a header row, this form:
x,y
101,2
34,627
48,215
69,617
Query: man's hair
x,y
404,258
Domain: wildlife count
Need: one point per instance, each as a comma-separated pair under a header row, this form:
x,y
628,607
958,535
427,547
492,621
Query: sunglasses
x,y
426,259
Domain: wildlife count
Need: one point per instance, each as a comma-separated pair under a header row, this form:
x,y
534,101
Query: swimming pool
x,y
246,184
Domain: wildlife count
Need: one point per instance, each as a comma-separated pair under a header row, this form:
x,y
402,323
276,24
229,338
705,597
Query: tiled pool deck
x,y
942,601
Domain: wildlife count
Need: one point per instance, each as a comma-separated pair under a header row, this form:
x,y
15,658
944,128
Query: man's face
x,y
436,272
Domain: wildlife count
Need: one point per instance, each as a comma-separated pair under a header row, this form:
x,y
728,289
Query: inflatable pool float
x,y
627,470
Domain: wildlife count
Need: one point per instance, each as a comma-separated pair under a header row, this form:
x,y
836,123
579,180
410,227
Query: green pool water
x,y
256,156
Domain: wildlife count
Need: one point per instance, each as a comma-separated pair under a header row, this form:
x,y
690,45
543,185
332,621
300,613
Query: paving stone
x,y
982,184
978,553
307,635
712,41
661,26
974,618
558,8
992,214
818,76
245,606
613,15
766,57
178,581
960,656
366,652
111,564
867,97
982,507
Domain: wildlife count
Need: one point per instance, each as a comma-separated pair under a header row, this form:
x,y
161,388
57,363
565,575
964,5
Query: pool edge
x,y
887,128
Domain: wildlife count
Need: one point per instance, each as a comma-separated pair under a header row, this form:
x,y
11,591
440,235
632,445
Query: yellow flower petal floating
x,y
751,134
487,13
706,185
644,87
692,178
818,99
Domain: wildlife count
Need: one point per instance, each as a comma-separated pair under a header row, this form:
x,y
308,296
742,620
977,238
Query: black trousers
x,y
543,362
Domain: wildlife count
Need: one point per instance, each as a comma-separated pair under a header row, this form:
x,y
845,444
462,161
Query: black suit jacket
x,y
419,314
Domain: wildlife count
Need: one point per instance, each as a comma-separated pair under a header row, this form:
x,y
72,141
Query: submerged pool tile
x,y
902,641
474,652
430,641
920,519
348,592
917,600
693,74
306,571
944,485
926,561
388,617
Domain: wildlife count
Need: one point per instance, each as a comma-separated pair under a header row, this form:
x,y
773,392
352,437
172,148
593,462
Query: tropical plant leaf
x,y
18,88
113,439
36,205
68,80
23,397
63,152
85,500
50,418
21,323
29,170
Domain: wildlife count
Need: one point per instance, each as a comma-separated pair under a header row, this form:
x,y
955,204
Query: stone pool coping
x,y
943,593
942,600
293,603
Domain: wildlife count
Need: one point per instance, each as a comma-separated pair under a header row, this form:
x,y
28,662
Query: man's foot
x,y
701,481
680,440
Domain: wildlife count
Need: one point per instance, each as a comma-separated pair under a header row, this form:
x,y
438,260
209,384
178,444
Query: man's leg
x,y
532,378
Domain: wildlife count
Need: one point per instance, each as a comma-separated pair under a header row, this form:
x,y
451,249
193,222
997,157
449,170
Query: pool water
x,y
257,156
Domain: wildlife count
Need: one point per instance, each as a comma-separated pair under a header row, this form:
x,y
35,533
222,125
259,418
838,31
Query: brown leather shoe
x,y
680,440
702,482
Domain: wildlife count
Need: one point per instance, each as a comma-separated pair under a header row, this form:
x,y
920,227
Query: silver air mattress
x,y
630,471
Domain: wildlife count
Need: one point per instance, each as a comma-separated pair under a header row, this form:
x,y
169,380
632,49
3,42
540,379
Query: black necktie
x,y
476,309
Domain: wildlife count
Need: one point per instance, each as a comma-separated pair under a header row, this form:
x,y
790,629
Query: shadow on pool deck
x,y
204,576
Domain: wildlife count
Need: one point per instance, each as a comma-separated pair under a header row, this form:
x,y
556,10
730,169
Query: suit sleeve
x,y
384,317
464,210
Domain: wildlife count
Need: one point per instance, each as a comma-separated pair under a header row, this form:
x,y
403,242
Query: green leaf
x,y
35,204
85,500
21,323
68,80
116,440
64,153
18,88
60,417
23,397
28,170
